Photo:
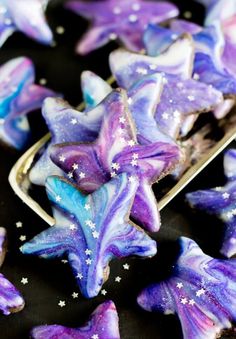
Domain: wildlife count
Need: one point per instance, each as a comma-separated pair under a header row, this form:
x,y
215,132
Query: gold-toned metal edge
x,y
20,170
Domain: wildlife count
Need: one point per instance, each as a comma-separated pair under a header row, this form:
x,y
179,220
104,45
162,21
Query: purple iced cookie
x,y
143,98
91,230
201,291
25,16
11,300
121,20
182,98
116,151
128,67
209,65
220,201
19,96
103,324
67,124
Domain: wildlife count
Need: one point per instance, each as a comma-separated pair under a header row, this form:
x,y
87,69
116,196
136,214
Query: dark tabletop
x,y
51,281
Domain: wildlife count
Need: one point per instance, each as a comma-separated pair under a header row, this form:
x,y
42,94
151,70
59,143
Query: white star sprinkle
x,y
95,336
58,198
174,36
79,276
192,302
64,261
24,281
62,303
153,67
19,224
103,292
113,174
95,234
75,295
135,156
62,158
117,279
126,266
88,252
133,18
165,81
165,116
130,101
87,207
73,227
141,70
88,261
60,30
90,224
113,36
75,166
73,121
187,15
82,175
134,163
131,178
122,120
115,166
191,98
70,175
225,195
179,285
184,301
43,81
22,237
200,292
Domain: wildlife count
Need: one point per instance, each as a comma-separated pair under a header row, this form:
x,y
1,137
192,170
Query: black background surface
x,y
51,281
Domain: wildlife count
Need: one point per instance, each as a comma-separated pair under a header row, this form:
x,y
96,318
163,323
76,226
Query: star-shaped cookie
x,y
220,201
25,16
19,96
116,151
103,323
183,98
91,230
123,20
67,124
201,291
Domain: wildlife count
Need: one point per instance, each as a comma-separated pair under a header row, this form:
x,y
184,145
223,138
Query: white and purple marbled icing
x,y
91,230
10,298
26,16
19,96
183,98
123,20
201,291
103,324
116,151
220,201
209,66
